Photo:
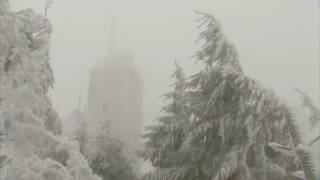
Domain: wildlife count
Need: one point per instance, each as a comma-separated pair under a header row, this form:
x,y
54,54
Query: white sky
x,y
278,41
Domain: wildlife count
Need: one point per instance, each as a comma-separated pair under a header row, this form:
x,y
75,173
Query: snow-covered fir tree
x,y
239,130
314,119
165,138
32,145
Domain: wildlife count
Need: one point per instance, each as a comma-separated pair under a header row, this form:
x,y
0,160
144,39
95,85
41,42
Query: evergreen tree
x,y
239,130
32,146
314,119
307,102
166,137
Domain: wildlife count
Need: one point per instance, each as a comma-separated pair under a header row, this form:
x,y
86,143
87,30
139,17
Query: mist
x,y
278,43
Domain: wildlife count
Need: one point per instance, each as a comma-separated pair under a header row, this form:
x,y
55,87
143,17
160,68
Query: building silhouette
x,y
115,96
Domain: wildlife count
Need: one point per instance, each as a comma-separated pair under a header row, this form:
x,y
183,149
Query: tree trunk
x,y
4,7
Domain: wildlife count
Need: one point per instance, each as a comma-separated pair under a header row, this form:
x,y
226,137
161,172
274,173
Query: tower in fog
x,y
115,95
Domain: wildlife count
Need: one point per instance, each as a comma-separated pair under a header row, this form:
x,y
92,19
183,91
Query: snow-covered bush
x,y
32,147
104,153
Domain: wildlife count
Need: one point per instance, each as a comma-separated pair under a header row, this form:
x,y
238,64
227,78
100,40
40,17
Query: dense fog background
x,y
278,41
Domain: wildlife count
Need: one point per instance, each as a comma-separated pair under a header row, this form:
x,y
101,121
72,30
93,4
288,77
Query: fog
x,y
278,42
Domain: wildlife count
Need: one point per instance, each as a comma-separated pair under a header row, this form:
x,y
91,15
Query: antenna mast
x,y
112,36
4,7
46,7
